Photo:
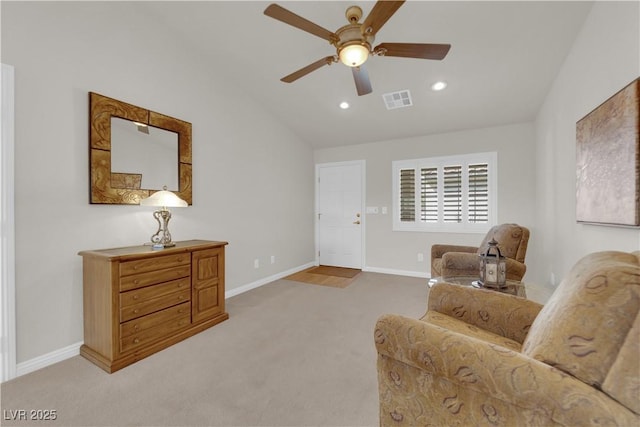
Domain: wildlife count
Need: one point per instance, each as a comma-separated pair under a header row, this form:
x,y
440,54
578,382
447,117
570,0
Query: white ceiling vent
x,y
398,99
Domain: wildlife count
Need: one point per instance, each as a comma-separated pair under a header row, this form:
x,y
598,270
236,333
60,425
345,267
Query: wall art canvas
x,y
608,161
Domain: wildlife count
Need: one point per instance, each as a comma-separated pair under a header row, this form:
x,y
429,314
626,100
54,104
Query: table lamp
x,y
164,199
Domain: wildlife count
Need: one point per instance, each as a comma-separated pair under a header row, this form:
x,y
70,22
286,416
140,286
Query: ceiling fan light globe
x,y
354,55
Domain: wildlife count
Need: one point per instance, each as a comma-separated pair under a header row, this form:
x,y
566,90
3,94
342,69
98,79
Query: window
x,y
455,193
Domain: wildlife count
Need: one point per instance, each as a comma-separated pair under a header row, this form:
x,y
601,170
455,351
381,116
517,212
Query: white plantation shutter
x,y
408,195
455,193
452,194
478,198
429,195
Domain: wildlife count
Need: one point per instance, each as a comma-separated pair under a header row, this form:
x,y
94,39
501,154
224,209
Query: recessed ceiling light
x,y
344,105
438,86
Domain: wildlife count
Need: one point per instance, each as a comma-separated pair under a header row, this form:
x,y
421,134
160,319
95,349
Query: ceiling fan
x,y
353,41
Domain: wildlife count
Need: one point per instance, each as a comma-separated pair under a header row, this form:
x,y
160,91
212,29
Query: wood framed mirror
x,y
107,117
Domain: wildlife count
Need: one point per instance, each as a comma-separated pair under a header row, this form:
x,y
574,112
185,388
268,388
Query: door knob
x,y
357,222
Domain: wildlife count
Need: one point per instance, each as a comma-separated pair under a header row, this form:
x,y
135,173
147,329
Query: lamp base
x,y
162,236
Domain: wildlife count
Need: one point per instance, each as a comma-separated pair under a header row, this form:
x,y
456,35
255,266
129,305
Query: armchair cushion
x,y
591,322
513,240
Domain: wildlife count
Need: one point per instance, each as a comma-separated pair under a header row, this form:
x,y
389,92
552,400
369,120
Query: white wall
x,y
389,250
252,178
605,58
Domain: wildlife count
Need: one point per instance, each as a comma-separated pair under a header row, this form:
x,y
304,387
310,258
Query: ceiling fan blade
x,y
413,50
380,14
309,68
282,14
361,77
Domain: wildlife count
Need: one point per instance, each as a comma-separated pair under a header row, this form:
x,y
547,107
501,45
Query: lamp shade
x,y
354,55
165,199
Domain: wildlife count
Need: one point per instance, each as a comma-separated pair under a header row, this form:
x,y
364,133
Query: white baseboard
x,y
242,289
48,359
409,273
74,349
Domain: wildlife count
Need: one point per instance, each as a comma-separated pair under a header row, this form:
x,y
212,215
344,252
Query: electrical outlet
x,y
273,259
256,263
420,257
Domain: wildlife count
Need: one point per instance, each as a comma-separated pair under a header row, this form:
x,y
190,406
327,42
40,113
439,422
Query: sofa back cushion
x,y
512,240
587,327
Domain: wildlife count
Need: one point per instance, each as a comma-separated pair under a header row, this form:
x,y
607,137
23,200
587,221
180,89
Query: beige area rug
x,y
337,277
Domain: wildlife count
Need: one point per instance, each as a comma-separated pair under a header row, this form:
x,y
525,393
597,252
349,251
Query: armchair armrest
x,y
438,250
503,314
465,264
515,269
431,376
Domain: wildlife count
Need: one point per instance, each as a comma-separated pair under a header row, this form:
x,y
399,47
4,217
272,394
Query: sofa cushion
x,y
589,319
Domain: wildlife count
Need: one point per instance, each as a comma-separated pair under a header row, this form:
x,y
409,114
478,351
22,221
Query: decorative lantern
x,y
493,269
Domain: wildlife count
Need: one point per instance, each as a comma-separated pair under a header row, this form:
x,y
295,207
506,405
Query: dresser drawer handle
x,y
181,311
136,296
136,341
136,327
136,311
180,297
136,281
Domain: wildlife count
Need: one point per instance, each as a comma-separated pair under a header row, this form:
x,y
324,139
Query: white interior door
x,y
340,217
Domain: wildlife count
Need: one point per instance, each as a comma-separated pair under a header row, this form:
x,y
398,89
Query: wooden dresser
x,y
138,301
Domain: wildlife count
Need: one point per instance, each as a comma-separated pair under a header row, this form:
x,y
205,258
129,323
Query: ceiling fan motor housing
x,y
350,35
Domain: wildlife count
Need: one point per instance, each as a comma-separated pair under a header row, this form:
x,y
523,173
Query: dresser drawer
x,y
151,264
157,332
139,295
150,321
152,277
154,304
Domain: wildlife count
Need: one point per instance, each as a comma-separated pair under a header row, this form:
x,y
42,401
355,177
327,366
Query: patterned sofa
x,y
479,357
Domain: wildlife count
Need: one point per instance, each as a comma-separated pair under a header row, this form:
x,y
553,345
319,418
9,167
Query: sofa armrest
x,y
503,314
431,376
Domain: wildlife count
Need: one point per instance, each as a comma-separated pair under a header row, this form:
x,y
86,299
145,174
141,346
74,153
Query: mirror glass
x,y
146,150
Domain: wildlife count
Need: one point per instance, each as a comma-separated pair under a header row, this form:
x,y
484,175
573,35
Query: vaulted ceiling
x,y
503,60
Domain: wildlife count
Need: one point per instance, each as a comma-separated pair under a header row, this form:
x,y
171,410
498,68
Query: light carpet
x,y
289,355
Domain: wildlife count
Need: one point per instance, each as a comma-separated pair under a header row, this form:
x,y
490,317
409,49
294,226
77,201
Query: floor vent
x,y
398,99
